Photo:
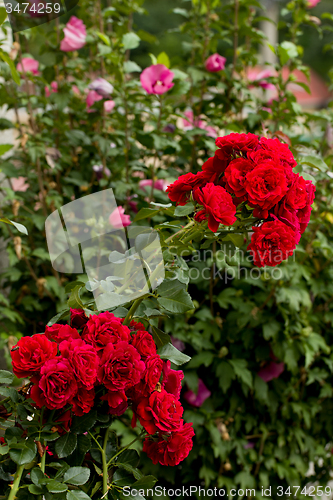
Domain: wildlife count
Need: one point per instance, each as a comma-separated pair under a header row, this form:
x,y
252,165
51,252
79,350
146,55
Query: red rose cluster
x,y
259,173
66,366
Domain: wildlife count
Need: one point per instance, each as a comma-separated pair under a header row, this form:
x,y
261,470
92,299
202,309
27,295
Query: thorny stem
x,y
104,463
153,170
190,224
132,310
127,446
16,483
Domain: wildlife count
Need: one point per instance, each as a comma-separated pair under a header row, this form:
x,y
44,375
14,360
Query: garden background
x,y
258,388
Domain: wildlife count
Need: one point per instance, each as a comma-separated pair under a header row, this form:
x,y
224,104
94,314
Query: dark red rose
x,y
103,329
117,402
172,380
304,213
135,326
297,195
180,190
151,376
234,176
271,243
218,206
278,148
59,332
214,167
288,217
83,401
160,412
121,367
78,318
30,354
83,359
237,143
170,449
144,344
56,386
266,185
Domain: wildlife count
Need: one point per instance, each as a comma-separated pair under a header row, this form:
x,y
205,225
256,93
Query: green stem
x,y
16,483
132,310
126,447
105,464
42,462
190,224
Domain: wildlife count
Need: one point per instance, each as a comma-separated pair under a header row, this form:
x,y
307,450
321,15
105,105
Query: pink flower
x,y
54,88
92,97
118,219
20,184
159,184
157,79
75,35
108,106
28,65
102,87
260,78
197,399
312,3
270,371
215,63
191,122
75,90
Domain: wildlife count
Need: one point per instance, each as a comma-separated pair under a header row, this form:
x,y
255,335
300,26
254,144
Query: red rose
x,y
180,190
57,385
135,326
121,367
144,344
151,376
237,143
83,401
271,243
218,206
304,213
266,185
288,217
214,167
278,148
171,449
63,423
30,354
235,176
78,318
103,329
59,333
160,412
297,195
83,359
172,380
117,402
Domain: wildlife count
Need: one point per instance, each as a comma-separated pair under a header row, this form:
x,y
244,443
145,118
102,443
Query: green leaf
x,y
168,351
11,64
9,392
104,38
18,226
315,162
160,337
203,358
240,367
23,453
6,377
4,148
77,495
145,213
130,457
55,487
226,375
131,67
130,41
57,317
181,211
35,489
237,239
66,445
177,303
74,300
163,58
36,475
287,50
77,475
144,483
84,423
136,473
3,14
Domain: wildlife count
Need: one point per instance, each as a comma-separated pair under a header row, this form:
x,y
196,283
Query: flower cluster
x,y
99,360
258,173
